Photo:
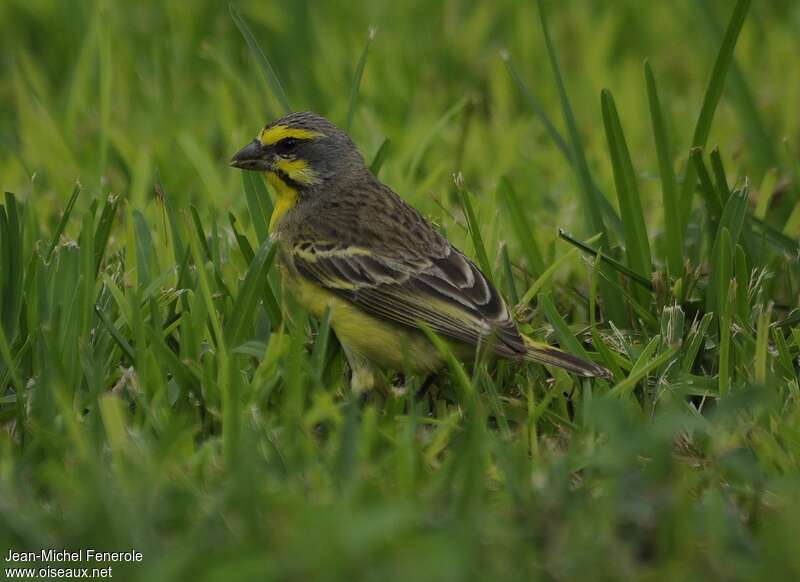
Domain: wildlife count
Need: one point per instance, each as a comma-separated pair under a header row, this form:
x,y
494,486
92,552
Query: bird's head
x,y
301,151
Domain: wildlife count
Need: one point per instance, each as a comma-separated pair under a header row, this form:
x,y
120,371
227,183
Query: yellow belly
x,y
388,345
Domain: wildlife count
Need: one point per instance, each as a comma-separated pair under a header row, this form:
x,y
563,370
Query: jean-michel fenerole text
x,y
80,555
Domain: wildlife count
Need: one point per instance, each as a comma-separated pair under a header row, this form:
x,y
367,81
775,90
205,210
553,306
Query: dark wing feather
x,y
448,293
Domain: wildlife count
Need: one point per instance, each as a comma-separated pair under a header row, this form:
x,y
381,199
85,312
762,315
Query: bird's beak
x,y
253,156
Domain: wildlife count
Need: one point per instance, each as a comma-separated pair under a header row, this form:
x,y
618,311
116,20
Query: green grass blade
x,y
144,248
762,344
646,354
725,325
434,131
713,93
268,295
719,175
380,157
643,312
201,235
591,207
673,233
105,73
88,275
62,224
742,274
720,274
508,274
273,81
614,264
637,245
730,226
178,247
521,227
346,462
707,189
474,229
19,386
103,231
467,390
201,256
244,306
792,225
778,240
784,352
566,338
543,280
118,338
538,109
766,193
760,144
642,369
321,347
597,339
362,61
12,271
241,240
257,200
696,337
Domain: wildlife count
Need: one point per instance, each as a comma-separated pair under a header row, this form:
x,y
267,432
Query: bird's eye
x,y
286,145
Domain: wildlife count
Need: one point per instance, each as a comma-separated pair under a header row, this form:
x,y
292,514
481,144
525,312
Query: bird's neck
x,y
286,198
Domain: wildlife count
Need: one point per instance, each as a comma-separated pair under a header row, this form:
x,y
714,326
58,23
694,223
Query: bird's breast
x,y
387,344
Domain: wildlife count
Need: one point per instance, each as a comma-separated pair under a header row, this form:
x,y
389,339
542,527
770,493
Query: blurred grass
x,y
159,391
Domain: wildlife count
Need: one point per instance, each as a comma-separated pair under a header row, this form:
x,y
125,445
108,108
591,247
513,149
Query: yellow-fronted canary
x,y
348,242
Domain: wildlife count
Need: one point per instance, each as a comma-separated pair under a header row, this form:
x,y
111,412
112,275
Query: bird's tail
x,y
548,355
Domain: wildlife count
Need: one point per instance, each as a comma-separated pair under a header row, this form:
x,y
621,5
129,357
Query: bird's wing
x,y
446,292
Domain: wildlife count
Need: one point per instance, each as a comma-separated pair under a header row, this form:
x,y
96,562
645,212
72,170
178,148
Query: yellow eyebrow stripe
x,y
276,133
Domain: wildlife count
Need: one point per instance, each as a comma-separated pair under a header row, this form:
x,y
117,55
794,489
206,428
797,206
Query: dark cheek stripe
x,y
287,180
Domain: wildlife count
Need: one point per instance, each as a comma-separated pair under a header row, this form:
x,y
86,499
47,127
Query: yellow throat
x,y
286,198
297,171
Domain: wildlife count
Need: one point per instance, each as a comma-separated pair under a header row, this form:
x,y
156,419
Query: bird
x,y
349,243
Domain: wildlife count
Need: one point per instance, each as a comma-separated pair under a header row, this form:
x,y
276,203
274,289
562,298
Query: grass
x,y
159,391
